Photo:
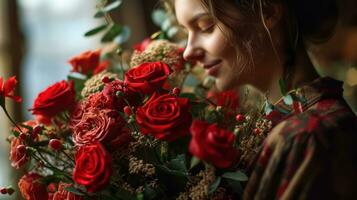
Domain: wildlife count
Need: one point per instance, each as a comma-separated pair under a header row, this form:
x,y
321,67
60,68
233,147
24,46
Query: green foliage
x,y
237,176
108,8
113,32
78,85
213,187
96,30
75,191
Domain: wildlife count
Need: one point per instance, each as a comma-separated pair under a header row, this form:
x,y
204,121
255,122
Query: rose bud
x,y
55,144
127,110
22,136
21,149
10,190
240,118
36,130
257,131
106,79
3,190
176,91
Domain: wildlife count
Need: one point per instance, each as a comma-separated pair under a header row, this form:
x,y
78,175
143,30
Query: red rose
x,y
8,89
85,62
212,144
101,67
121,141
63,194
97,126
93,167
226,99
55,99
31,187
147,77
166,117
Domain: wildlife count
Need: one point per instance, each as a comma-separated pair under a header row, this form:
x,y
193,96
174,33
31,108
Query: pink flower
x,y
98,126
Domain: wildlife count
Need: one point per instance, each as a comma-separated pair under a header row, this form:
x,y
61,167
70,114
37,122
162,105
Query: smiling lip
x,y
212,68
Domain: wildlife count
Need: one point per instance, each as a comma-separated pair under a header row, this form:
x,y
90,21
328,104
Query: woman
x,y
309,154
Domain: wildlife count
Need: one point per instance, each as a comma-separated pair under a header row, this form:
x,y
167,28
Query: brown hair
x,y
310,21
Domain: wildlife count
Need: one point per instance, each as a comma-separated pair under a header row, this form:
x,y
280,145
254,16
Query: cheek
x,y
217,44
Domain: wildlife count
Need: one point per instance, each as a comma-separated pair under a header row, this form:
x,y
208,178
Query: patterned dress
x,y
311,154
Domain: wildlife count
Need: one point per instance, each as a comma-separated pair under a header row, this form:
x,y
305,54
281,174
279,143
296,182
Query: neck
x,y
302,72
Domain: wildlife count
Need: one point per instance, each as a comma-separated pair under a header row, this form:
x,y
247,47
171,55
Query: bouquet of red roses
x,y
144,126
147,130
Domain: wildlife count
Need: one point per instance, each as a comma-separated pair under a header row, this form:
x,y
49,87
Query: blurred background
x,y
37,37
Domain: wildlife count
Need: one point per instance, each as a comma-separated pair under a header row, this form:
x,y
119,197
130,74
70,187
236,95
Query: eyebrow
x,y
196,17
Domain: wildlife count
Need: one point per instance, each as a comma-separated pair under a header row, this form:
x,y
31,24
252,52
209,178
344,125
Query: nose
x,y
193,52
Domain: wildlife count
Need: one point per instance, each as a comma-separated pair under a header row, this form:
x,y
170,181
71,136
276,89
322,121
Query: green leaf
x,y
178,163
124,194
108,8
74,191
158,17
150,193
172,32
194,162
191,81
288,100
123,36
78,85
213,187
113,32
166,24
282,85
170,171
238,176
96,30
268,107
236,186
189,96
140,196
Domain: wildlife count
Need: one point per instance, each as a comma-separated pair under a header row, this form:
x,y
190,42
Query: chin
x,y
222,85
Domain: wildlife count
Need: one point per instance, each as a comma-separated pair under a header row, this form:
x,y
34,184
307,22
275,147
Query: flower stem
x,y
9,117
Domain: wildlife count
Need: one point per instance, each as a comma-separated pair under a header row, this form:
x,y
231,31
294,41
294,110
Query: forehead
x,y
187,10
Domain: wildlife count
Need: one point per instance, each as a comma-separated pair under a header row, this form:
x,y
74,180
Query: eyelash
x,y
208,29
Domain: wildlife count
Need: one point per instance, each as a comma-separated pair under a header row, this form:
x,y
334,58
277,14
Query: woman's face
x,y
208,45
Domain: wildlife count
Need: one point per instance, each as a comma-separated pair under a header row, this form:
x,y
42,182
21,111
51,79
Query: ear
x,y
272,14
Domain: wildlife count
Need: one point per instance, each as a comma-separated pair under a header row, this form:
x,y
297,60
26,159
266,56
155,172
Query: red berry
x,y
240,118
106,79
55,144
22,136
176,91
257,131
10,190
21,149
127,110
36,130
3,190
